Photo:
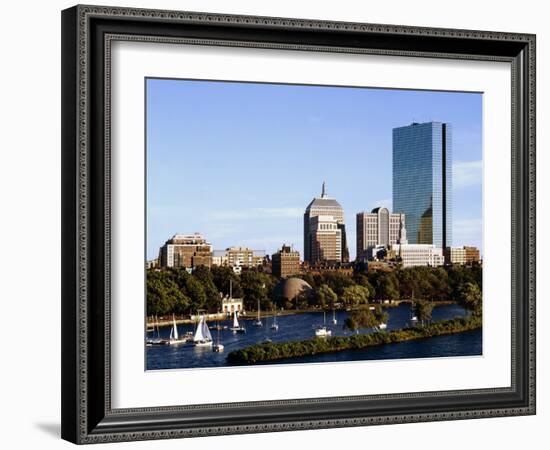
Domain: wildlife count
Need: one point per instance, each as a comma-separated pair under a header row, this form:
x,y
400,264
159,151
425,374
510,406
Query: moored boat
x,y
175,338
202,337
237,328
218,346
258,321
323,331
275,325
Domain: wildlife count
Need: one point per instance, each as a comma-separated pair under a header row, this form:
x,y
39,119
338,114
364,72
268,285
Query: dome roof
x,y
292,288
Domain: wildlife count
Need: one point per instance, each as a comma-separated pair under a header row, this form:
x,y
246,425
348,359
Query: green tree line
x,y
281,350
177,291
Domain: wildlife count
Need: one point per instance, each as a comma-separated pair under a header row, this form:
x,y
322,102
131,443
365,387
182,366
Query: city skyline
x,y
239,162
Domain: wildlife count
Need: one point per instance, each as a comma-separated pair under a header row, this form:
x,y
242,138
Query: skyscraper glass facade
x,y
423,181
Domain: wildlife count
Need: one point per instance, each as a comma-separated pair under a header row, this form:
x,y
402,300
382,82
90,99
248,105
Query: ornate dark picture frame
x,y
87,33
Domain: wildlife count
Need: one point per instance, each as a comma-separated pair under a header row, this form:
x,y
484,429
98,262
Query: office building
x,y
462,255
472,255
422,181
186,250
379,228
412,255
455,256
326,240
327,207
238,258
285,262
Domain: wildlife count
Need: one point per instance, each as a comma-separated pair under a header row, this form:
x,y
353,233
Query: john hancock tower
x,y
423,181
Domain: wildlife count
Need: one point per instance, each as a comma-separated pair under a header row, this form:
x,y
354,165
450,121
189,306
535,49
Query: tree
x,y
389,287
471,297
355,295
196,292
423,310
326,296
163,295
225,279
380,315
204,276
363,280
257,286
408,284
361,318
338,282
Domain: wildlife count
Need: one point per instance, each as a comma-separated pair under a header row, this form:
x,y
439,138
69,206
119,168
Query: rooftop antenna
x,y
323,192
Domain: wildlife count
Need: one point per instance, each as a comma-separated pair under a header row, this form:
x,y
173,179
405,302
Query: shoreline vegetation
x,y
278,351
168,321
175,291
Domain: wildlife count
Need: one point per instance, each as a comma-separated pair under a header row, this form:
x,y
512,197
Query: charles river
x,y
301,326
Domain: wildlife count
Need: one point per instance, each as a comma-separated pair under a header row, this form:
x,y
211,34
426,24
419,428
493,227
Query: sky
x,y
239,162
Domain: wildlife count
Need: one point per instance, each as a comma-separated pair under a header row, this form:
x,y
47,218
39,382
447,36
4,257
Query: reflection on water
x,y
302,326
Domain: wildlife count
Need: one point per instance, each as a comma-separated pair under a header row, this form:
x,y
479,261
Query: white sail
x,y
199,336
206,331
174,334
235,321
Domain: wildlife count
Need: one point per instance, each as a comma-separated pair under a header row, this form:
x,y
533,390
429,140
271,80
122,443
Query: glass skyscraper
x,y
423,181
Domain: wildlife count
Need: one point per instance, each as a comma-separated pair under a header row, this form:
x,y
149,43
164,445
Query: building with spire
x,y
378,229
324,231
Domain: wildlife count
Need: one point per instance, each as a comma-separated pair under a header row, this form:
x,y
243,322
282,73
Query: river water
x,y
302,326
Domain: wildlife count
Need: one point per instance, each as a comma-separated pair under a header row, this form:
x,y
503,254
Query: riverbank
x,y
167,321
278,351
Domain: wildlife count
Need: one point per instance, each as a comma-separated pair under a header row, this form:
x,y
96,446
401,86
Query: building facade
x,y
326,240
462,255
186,250
285,262
327,207
412,255
455,255
472,255
238,258
378,228
423,181
231,305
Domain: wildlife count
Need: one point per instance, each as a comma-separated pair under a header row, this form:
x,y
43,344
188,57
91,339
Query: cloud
x,y
255,213
467,173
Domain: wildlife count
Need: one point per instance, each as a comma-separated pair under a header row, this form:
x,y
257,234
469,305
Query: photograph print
x,y
293,224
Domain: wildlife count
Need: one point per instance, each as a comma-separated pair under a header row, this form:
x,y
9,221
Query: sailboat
x,y
236,327
258,321
156,340
174,336
413,318
334,320
202,337
218,346
275,325
323,331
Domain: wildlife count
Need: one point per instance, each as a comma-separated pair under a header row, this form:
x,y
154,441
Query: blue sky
x,y
239,162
